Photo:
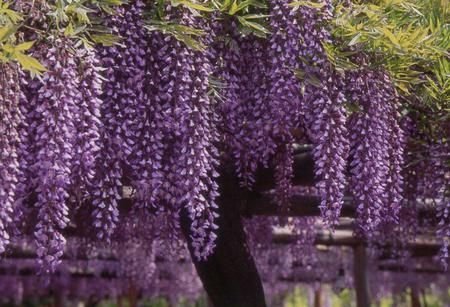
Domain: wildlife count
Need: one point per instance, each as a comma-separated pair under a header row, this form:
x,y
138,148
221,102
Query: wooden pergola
x,y
229,275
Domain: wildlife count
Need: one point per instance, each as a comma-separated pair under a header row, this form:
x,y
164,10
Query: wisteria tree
x,y
244,131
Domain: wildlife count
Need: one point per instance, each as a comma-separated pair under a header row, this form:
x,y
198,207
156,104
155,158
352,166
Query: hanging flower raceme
x,y
436,188
149,147
56,102
188,132
26,128
376,150
324,112
123,97
10,144
88,124
245,116
283,59
284,92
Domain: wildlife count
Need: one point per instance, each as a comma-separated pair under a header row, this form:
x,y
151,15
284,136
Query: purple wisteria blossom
x,y
10,144
88,123
56,102
245,114
189,134
436,188
324,111
123,98
376,149
283,97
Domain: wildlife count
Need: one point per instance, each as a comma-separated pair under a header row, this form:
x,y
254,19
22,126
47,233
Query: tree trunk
x,y
229,275
360,276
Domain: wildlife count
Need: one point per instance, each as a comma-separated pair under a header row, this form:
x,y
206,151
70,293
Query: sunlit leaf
x,y
316,5
24,46
105,39
28,62
193,5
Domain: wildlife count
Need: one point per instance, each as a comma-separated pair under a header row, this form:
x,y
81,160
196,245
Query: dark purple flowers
x,y
155,117
56,103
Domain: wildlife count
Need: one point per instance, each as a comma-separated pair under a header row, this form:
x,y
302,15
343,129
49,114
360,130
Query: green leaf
x,y
354,40
391,36
236,7
315,5
5,32
105,39
313,80
225,5
28,62
12,15
253,25
254,16
68,31
193,5
233,8
24,46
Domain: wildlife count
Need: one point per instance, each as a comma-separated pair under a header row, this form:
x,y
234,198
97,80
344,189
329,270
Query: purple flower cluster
x,y
56,103
88,124
283,59
246,122
188,135
284,98
123,97
10,144
436,188
141,114
376,149
324,112
284,172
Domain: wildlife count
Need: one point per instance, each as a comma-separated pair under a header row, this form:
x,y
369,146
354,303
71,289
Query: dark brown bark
x,y
229,275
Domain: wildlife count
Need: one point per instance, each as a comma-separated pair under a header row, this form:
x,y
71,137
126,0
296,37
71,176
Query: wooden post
x,y
360,276
415,297
209,303
133,295
58,300
317,296
119,301
424,298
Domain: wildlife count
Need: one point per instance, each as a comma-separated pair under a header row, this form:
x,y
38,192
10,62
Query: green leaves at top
x,y
16,52
192,5
184,34
316,5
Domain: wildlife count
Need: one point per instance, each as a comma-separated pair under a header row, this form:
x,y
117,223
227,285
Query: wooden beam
x,y
416,269
423,247
264,204
303,173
